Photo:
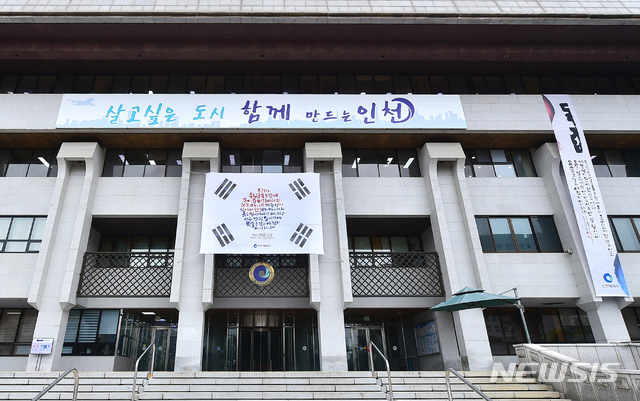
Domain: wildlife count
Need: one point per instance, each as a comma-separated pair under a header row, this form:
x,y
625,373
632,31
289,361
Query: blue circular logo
x,y
608,278
261,273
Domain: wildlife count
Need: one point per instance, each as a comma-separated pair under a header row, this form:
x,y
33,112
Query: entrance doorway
x,y
392,331
260,350
261,340
358,340
163,360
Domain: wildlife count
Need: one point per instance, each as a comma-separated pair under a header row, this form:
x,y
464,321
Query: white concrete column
x,y
453,225
191,288
604,314
57,272
329,275
606,320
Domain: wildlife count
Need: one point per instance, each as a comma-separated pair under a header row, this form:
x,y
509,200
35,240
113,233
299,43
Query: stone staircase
x,y
273,386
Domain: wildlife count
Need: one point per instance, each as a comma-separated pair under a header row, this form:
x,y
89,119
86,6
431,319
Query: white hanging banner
x,y
262,214
595,232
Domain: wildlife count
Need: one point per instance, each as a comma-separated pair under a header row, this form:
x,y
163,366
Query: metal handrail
x,y
76,379
467,382
386,362
134,388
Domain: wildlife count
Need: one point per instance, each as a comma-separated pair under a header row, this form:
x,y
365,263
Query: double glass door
x,y
260,350
358,349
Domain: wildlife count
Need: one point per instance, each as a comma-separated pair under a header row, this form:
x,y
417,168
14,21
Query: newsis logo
x,y
577,372
608,278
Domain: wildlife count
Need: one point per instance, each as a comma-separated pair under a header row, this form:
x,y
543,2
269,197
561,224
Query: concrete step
x,y
273,386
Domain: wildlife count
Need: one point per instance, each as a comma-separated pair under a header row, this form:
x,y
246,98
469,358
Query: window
x,y
499,163
262,161
616,163
28,163
380,163
143,163
139,243
16,331
631,319
518,234
625,233
91,332
21,234
546,325
385,244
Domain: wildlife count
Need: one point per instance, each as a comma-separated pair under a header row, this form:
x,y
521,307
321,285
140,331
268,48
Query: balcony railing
x,y
114,274
408,274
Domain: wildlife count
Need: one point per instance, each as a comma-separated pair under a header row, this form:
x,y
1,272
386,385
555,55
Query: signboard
x,y
260,111
427,338
42,346
262,214
595,232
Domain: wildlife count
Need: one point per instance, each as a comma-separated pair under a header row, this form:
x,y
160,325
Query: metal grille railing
x,y
290,278
395,274
143,274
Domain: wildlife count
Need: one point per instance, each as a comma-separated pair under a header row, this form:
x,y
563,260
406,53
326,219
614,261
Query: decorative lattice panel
x,y
126,274
395,274
290,278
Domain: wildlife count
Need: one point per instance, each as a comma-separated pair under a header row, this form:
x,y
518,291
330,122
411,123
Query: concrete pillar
x,y
329,276
191,288
453,224
57,272
606,320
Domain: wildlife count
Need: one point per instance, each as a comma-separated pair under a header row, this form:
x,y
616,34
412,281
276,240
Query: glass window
x,y
21,234
16,330
502,234
367,163
484,231
380,163
546,325
349,163
523,234
388,163
499,163
546,233
625,233
143,163
19,163
520,234
262,161
91,332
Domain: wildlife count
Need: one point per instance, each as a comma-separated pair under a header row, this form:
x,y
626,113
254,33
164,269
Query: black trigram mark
x,y
225,189
223,235
301,235
299,188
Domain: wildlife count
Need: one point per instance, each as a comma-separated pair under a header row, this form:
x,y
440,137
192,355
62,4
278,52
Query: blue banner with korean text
x,y
154,111
595,232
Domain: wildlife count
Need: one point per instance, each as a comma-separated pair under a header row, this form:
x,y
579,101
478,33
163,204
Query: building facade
x,y
101,223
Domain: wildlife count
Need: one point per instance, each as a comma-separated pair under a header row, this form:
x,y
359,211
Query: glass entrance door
x,y
358,340
163,360
260,350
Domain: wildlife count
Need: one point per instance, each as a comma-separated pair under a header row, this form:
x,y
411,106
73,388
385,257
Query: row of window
x,y
546,325
497,234
320,84
355,162
385,244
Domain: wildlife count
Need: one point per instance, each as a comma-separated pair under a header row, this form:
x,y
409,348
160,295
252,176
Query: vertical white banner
x,y
262,214
595,232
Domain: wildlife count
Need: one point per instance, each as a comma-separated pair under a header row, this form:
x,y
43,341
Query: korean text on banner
x,y
595,232
262,214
